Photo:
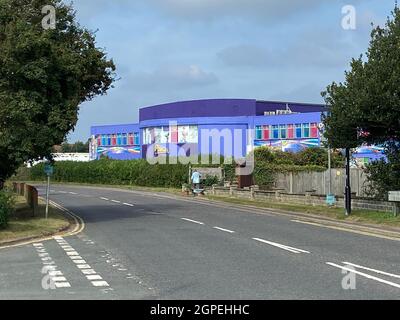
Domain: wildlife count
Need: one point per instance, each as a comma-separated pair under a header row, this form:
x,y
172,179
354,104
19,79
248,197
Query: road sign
x,y
48,169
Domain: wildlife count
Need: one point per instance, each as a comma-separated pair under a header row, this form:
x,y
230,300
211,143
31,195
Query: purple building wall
x,y
200,108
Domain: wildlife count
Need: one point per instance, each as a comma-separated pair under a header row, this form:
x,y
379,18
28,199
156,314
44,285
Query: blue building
x,y
230,127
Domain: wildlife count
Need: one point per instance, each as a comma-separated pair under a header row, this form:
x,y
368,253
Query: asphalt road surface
x,y
143,245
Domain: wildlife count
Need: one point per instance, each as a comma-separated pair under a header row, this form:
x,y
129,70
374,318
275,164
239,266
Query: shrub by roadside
x,y
6,208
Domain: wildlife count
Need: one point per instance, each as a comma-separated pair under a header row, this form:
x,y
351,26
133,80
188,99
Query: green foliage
x,y
210,181
307,157
6,208
384,176
368,100
115,172
78,147
44,76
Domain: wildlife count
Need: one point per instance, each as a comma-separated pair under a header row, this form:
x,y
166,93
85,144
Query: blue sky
x,y
172,50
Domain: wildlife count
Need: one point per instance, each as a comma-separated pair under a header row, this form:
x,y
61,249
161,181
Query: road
x,y
143,245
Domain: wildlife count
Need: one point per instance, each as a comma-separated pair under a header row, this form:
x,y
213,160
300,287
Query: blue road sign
x,y
48,169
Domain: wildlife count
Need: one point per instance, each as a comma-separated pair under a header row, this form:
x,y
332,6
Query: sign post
x,y
48,169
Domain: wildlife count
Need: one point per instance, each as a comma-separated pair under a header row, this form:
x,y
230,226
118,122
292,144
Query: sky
x,y
174,50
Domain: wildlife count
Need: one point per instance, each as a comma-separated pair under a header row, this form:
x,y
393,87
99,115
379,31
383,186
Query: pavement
x,y
146,245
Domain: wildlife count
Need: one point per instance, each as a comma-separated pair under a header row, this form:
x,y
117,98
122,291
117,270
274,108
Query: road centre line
x,y
115,201
347,268
373,270
102,198
194,221
224,230
128,204
281,246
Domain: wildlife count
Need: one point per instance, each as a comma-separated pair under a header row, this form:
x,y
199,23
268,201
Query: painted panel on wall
x,y
288,145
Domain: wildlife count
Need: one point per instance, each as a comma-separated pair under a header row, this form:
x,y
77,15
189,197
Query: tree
x,y
78,146
44,76
365,108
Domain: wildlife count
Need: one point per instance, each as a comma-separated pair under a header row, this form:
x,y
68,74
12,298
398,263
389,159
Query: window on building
x,y
136,138
306,130
290,131
124,139
275,131
259,132
282,129
298,131
119,139
314,130
174,134
265,134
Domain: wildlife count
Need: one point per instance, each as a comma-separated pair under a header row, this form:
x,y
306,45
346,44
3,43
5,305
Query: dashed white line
x,y
115,201
95,279
56,276
106,199
373,270
351,270
224,230
128,204
74,193
282,246
100,283
194,221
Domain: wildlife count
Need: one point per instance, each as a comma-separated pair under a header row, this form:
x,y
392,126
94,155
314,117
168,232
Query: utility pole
x,y
348,188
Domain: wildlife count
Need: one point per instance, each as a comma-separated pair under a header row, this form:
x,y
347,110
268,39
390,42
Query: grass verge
x,y
22,225
363,216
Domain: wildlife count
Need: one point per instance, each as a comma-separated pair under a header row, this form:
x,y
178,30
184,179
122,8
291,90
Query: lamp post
x,y
348,188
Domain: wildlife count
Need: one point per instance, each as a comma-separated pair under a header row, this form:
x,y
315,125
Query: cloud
x,y
323,48
172,78
209,9
245,55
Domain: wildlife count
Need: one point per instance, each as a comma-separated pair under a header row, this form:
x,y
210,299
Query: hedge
x,y
141,173
6,208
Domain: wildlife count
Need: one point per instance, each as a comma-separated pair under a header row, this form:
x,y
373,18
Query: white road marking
x,y
62,285
396,285
373,270
72,193
82,265
194,221
94,277
102,198
100,283
88,271
282,246
50,268
58,279
115,201
79,261
224,230
128,204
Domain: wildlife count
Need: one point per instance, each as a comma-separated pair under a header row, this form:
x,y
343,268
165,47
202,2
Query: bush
x,y
6,208
382,177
